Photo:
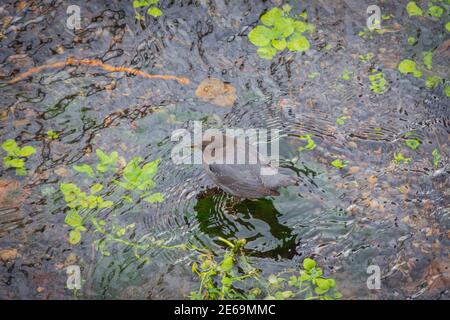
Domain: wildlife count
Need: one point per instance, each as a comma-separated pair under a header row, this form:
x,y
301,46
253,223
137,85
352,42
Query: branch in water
x,y
96,63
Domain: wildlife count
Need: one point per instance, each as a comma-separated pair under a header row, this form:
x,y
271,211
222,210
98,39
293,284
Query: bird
x,y
242,180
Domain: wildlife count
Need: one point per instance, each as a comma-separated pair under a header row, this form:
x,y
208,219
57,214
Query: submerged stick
x,y
96,63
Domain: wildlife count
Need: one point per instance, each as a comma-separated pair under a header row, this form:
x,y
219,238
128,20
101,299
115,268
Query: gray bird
x,y
242,180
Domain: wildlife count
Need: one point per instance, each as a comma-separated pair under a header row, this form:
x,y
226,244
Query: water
x,y
369,213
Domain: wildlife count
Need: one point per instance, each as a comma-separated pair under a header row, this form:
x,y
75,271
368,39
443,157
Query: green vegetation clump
x,y
413,9
16,156
436,158
399,158
225,279
412,41
135,178
52,135
377,82
340,121
338,163
409,66
280,30
435,11
149,5
310,144
428,59
432,82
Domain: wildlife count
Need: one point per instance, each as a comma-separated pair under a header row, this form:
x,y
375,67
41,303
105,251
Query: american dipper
x,y
248,180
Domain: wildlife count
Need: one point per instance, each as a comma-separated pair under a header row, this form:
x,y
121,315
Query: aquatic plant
x,y
377,82
409,66
366,57
413,143
52,135
413,9
346,75
436,158
428,59
16,156
220,280
280,30
432,82
149,5
340,121
447,26
399,158
447,91
435,11
85,207
310,144
412,41
338,163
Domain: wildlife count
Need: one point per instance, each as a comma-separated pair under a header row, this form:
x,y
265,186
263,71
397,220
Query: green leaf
x,y
310,144
320,291
15,163
10,146
412,143
432,82
399,158
154,198
96,188
227,263
154,12
27,151
139,4
298,44
273,280
346,75
413,9
407,66
337,295
412,41
260,36
301,26
428,60
106,204
84,168
435,11
447,26
279,44
226,281
447,91
271,16
284,27
340,121
21,172
267,52
73,219
74,237
436,158
308,264
338,163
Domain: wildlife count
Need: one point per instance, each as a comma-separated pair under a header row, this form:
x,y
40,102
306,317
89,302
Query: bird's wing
x,y
240,177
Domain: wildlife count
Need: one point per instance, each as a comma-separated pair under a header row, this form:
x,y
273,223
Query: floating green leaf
x,y
267,52
84,168
436,158
310,144
412,41
412,143
435,11
154,12
299,43
154,198
338,163
399,158
279,44
74,237
413,9
428,59
271,16
432,81
260,36
308,264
